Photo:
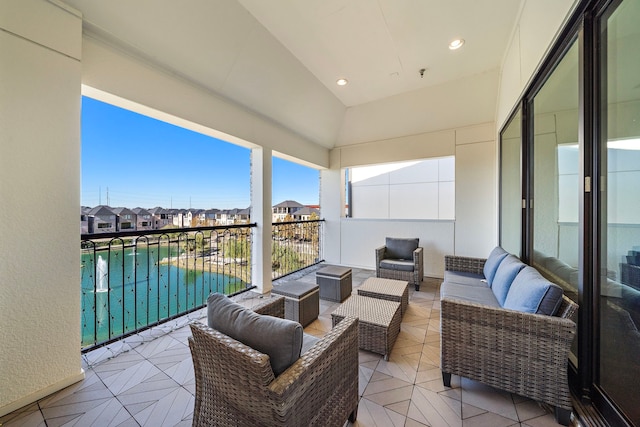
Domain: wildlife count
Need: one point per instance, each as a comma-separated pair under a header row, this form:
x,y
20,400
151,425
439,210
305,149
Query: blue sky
x,y
133,160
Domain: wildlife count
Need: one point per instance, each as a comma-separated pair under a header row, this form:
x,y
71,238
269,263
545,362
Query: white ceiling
x,y
281,58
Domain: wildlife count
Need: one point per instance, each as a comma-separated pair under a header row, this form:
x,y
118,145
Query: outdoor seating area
x,y
401,259
148,379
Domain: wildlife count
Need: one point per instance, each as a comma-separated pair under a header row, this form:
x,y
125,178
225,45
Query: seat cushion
x,y
308,341
506,272
400,248
493,261
280,339
397,264
465,278
477,294
532,293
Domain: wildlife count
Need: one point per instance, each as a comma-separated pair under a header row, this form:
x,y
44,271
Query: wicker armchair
x,y
413,275
235,385
522,353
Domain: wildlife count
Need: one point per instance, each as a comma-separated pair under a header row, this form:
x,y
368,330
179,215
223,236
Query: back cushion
x,y
280,339
506,272
493,261
532,293
400,248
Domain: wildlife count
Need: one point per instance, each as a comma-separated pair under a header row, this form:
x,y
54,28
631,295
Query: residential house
x,y
161,217
305,213
282,209
102,219
126,219
210,216
144,219
84,219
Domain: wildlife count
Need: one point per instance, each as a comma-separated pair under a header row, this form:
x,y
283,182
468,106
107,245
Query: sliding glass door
x,y
619,165
511,185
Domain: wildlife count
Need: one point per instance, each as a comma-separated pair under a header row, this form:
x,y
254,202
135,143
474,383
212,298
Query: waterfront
x,y
128,288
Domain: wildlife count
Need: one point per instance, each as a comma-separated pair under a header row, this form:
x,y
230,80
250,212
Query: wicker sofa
x,y
401,259
236,384
484,338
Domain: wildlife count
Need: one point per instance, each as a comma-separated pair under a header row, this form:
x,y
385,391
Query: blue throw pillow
x,y
532,293
493,261
507,271
280,339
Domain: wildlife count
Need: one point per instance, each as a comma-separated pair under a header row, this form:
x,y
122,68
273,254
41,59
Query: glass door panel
x,y
556,177
619,364
511,185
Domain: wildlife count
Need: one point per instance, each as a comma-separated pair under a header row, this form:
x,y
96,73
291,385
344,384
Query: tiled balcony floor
x,y
147,380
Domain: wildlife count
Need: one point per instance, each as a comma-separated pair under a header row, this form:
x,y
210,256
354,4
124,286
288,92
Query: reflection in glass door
x,y
556,177
619,367
511,186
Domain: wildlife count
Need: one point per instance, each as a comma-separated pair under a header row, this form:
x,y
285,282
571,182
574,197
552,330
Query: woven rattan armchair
x,y
235,385
522,353
389,267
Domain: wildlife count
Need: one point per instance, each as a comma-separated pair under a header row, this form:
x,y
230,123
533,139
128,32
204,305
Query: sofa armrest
x,y
466,264
380,252
330,365
418,261
271,307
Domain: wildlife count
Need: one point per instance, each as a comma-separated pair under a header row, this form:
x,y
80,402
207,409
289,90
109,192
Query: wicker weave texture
x,y
302,310
413,277
334,288
465,264
387,289
379,322
235,385
518,352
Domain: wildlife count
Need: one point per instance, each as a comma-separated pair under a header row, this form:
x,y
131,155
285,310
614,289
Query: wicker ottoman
x,y
301,301
386,289
378,322
334,282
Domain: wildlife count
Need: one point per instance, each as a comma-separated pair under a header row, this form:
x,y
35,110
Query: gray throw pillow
x,y
280,339
507,271
493,261
400,248
532,293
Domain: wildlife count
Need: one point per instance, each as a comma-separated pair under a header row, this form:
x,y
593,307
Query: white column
x,y
261,161
40,79
332,203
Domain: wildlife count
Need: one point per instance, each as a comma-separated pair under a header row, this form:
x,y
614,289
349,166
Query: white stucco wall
x,y
40,75
472,233
539,25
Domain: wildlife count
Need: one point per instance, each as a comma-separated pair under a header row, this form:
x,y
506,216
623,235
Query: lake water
x,y
127,289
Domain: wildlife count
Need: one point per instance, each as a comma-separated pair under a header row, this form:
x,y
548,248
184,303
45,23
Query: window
x,y
104,225
423,189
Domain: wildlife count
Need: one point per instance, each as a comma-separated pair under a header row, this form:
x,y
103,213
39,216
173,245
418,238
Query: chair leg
x,y
446,379
417,288
353,415
563,416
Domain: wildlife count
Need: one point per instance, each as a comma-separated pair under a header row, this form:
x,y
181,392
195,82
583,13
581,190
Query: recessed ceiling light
x,y
456,44
342,82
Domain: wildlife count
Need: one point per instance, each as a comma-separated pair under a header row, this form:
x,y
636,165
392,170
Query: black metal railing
x,y
134,280
295,245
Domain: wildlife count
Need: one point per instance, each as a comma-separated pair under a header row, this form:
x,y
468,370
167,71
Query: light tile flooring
x,y
147,380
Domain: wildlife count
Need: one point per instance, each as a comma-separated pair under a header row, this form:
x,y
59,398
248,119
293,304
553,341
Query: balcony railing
x,y
134,280
295,245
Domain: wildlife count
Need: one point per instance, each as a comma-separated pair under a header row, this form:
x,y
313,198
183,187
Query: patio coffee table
x,y
386,289
378,322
